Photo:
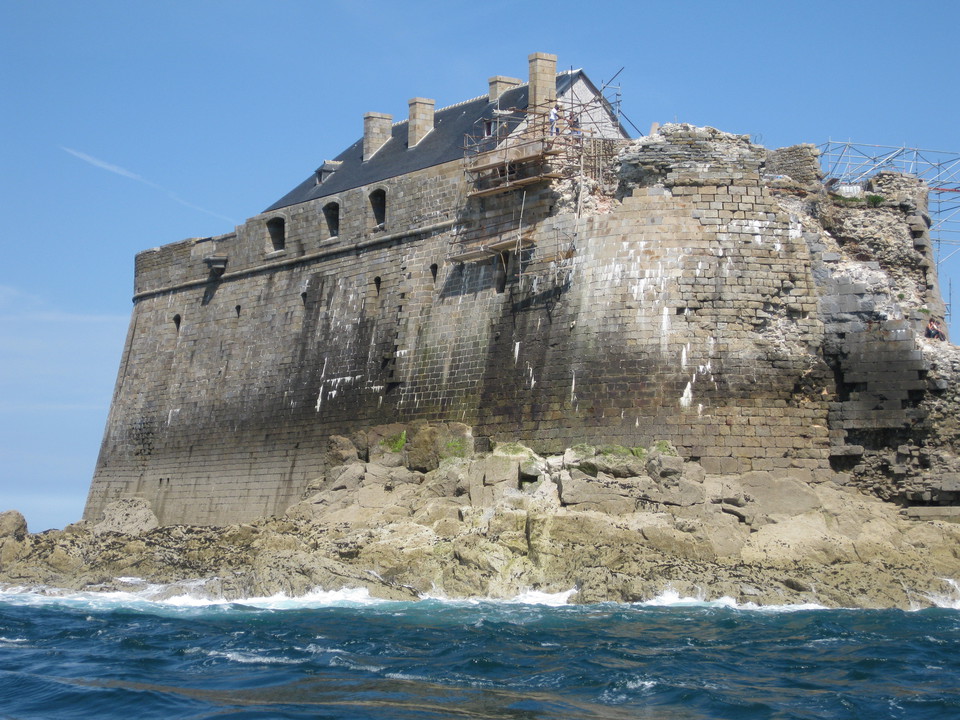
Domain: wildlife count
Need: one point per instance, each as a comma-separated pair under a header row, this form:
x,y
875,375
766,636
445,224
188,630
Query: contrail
x,y
123,172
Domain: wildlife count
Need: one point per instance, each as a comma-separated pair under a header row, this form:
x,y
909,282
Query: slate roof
x,y
443,144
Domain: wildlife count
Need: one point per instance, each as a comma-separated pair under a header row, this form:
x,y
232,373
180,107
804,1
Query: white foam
x,y
671,598
641,684
185,595
527,597
315,649
314,599
949,600
536,597
249,658
347,663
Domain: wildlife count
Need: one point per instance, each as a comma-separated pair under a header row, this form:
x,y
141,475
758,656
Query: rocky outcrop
x,y
616,523
129,517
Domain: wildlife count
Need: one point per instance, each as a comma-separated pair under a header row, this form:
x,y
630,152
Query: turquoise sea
x,y
345,655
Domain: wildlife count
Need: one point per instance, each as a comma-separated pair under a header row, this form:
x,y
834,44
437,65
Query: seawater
x,y
346,655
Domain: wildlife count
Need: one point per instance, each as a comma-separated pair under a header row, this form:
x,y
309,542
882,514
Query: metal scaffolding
x,y
854,163
519,147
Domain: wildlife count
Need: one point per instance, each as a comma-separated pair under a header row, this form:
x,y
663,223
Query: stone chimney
x,y
376,131
421,120
543,81
499,84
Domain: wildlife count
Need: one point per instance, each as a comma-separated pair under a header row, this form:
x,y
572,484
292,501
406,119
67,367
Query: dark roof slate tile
x,y
394,158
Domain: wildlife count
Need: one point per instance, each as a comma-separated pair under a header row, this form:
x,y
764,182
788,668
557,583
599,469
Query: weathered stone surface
x,y
341,451
430,444
763,537
773,494
662,466
130,517
604,493
12,525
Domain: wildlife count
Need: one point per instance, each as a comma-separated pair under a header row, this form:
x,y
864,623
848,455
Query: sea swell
x,y
346,655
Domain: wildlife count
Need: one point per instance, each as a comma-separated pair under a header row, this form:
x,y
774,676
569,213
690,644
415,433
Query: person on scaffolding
x,y
554,117
573,122
934,331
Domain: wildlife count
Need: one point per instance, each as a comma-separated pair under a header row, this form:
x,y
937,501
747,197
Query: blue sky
x,y
128,125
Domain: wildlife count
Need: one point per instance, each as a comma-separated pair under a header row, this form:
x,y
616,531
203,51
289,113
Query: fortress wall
x,y
686,313
226,417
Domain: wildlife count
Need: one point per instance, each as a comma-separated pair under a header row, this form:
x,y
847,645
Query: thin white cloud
x,y
198,208
123,172
115,169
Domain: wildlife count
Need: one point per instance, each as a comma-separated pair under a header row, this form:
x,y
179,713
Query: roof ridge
x,y
462,102
571,71
446,107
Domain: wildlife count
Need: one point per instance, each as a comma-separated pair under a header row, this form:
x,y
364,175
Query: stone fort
x,y
518,264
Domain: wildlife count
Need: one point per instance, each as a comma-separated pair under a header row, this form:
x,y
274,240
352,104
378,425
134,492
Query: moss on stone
x,y
664,447
614,450
395,443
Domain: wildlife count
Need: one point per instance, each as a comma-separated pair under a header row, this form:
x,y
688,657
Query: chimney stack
x,y
499,84
376,131
421,120
543,81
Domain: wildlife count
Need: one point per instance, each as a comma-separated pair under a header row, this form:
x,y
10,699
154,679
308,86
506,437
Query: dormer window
x,y
277,230
327,169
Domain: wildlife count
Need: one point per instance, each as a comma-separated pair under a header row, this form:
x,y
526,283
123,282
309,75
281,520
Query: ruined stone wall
x,y
687,308
797,162
685,313
874,264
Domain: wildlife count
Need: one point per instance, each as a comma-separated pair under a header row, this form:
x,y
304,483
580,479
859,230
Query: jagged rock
x,y
671,490
448,480
777,495
346,477
664,465
617,464
130,517
12,525
13,530
573,457
430,444
386,443
603,493
475,527
341,451
491,476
